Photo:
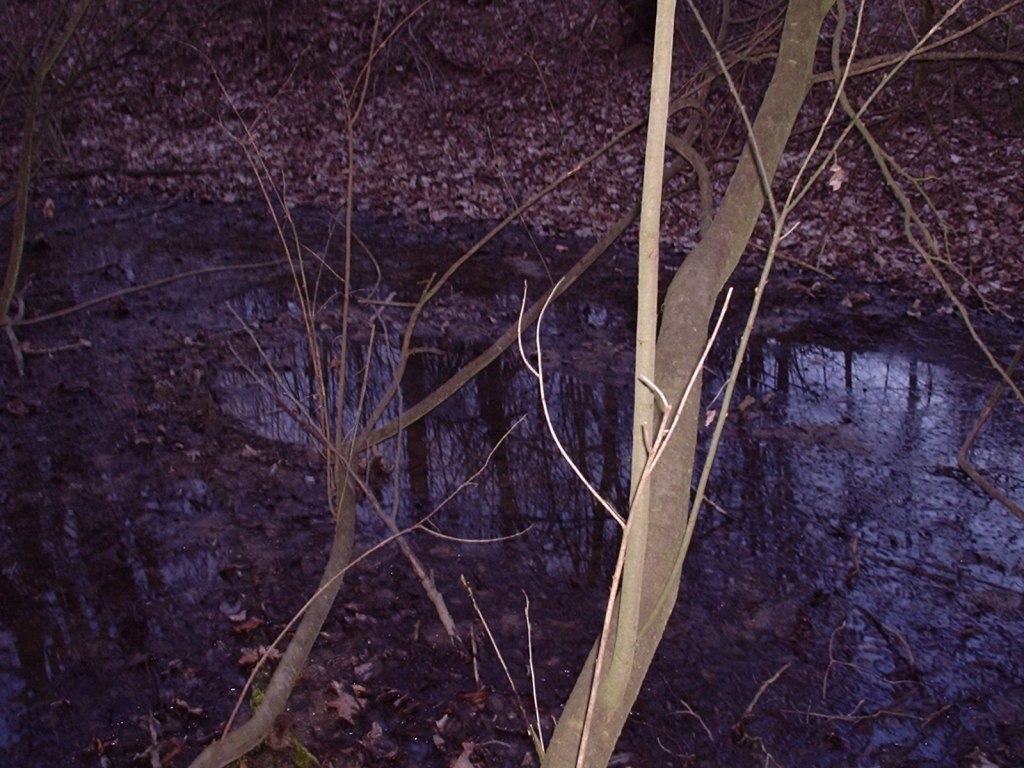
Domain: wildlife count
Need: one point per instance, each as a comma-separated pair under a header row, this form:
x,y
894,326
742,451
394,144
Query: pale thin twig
x,y
853,717
831,660
501,660
472,478
533,675
761,691
688,710
463,540
538,373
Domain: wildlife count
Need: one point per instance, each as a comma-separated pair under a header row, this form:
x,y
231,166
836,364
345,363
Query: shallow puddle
x,y
842,538
843,550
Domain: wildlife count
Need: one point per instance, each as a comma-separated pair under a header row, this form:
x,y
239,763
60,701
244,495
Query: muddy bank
x,y
161,515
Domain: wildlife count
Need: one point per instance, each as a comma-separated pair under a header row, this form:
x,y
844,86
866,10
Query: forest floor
x,y
467,109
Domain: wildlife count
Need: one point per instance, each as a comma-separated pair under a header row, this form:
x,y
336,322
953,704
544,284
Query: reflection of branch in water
x,y
760,692
961,456
898,642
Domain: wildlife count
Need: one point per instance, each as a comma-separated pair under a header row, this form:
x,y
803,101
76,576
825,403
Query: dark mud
x,y
853,599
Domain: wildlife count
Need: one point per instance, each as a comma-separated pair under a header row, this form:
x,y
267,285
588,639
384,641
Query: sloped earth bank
x,y
472,107
853,601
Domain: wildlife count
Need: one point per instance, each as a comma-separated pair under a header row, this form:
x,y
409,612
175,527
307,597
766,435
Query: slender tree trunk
x,y
687,313
35,98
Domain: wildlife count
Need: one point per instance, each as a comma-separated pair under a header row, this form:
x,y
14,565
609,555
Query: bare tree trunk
x,y
35,98
687,312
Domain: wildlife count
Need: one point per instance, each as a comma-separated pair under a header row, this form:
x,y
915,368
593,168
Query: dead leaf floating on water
x,y
18,407
344,704
379,744
442,724
477,698
252,656
366,671
245,626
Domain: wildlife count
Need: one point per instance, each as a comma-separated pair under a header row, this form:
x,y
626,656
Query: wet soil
x,y
851,600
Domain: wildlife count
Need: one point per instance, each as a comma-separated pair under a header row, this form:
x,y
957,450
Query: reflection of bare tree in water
x,y
493,390
611,485
576,414
415,386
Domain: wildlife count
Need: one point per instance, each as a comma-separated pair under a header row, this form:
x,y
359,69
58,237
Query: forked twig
x,y
688,710
760,692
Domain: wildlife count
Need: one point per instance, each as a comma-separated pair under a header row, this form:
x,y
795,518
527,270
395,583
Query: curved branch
x,y
234,745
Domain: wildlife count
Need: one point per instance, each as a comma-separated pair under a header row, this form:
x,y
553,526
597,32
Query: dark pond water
x,y
844,551
843,540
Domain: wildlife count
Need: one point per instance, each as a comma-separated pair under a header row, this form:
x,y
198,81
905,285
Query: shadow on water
x,y
850,598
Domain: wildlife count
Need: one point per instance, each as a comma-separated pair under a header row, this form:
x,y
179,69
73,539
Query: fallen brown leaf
x,y
837,176
477,698
247,625
251,656
18,407
746,403
345,705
